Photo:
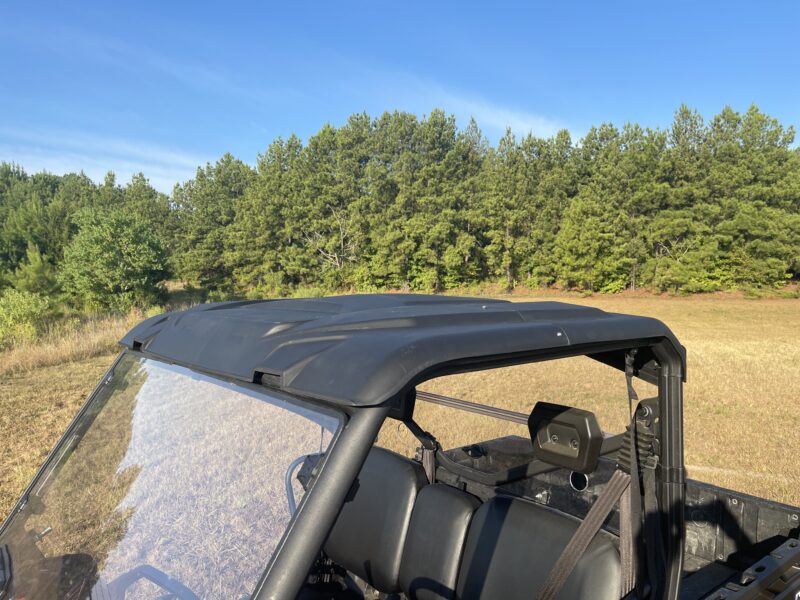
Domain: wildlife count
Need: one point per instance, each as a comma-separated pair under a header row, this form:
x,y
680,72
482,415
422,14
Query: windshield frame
x,y
341,414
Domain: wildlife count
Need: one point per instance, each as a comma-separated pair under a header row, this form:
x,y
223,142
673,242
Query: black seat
x,y
429,541
435,541
370,531
513,544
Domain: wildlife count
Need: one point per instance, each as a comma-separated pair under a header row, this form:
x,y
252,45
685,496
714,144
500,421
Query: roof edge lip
x,y
477,363
369,364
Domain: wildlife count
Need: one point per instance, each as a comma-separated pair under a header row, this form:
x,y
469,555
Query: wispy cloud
x,y
498,117
410,92
268,96
192,72
95,155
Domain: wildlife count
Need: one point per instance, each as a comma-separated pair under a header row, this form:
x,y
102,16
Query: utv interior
x,y
230,452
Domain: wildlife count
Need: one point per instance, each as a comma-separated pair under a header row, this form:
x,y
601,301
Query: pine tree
x,y
205,207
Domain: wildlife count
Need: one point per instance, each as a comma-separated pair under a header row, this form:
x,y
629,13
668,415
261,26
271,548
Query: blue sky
x,y
163,87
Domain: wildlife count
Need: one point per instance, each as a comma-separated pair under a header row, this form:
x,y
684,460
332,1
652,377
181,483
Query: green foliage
x,y
583,245
114,262
36,275
204,209
21,316
149,207
402,202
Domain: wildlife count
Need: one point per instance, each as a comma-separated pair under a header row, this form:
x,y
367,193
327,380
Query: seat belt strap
x,y
633,397
428,449
637,545
584,535
429,464
652,528
627,555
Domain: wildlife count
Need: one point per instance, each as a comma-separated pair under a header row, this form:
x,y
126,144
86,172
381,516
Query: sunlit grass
x,y
64,344
741,417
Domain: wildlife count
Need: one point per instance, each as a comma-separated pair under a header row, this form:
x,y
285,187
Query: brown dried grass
x,y
94,337
741,415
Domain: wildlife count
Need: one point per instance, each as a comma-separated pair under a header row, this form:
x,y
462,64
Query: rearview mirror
x,y
565,436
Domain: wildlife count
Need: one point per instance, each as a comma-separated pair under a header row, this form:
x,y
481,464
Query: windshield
x,y
172,484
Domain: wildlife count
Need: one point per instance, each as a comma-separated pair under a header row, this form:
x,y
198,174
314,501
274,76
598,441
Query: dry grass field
x,y
742,400
741,415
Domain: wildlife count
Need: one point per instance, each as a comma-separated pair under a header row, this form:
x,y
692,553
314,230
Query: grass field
x,y
741,414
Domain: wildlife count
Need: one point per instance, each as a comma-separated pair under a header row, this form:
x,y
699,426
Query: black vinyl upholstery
x,y
370,531
513,544
435,541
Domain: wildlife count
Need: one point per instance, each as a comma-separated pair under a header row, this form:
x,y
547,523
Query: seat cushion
x,y
370,531
435,542
513,544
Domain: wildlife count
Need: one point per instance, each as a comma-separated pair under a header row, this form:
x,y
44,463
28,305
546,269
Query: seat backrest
x,y
370,531
435,541
513,544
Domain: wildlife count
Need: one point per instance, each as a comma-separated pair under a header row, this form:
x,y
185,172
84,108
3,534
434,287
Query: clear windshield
x,y
172,486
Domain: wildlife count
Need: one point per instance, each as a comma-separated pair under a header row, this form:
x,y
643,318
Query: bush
x,y
114,262
36,274
21,316
154,311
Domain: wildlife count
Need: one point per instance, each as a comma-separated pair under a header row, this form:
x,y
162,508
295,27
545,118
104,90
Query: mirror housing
x,y
564,436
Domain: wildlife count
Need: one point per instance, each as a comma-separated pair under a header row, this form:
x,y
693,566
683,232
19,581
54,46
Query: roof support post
x,y
302,541
672,476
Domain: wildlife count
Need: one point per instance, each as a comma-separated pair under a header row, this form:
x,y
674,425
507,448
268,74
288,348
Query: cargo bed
x,y
727,532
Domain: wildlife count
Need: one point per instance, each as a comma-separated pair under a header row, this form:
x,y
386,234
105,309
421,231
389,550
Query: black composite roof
x,y
363,350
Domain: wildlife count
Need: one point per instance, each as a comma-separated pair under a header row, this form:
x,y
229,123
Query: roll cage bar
x,y
299,547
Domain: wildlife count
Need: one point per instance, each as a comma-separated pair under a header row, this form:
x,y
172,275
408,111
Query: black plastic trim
x,y
301,542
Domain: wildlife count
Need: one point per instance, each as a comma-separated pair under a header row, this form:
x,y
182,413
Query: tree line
x,y
402,202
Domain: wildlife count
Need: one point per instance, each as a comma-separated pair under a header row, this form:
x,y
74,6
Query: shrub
x,y
114,262
154,311
21,316
36,274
